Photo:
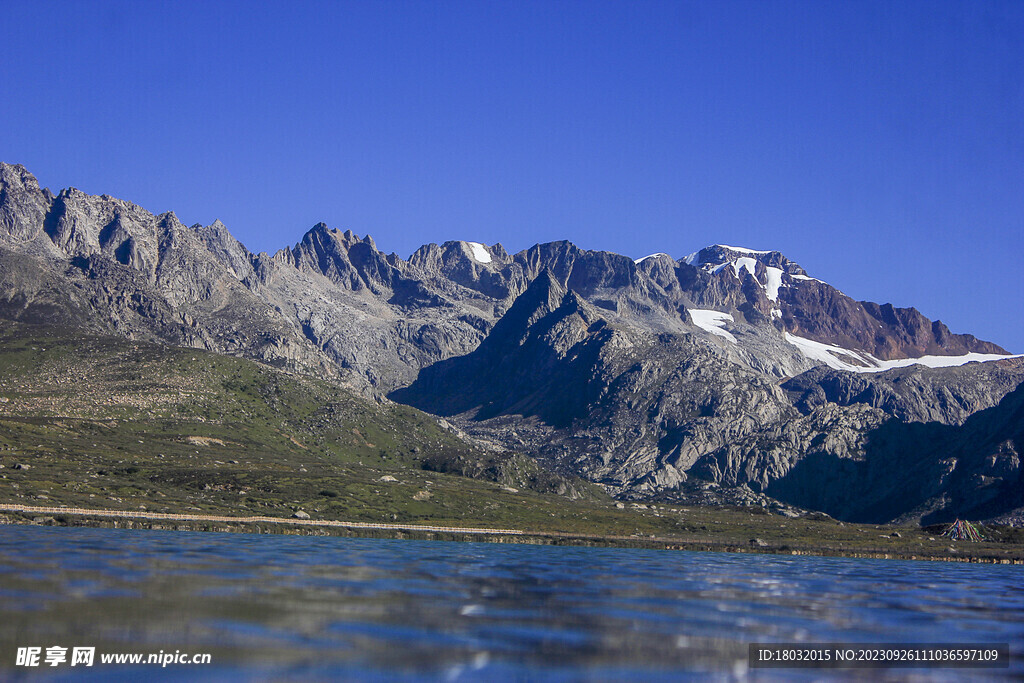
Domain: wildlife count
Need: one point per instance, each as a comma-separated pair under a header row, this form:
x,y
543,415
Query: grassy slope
x,y
105,423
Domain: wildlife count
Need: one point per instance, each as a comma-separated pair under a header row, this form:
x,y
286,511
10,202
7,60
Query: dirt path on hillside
x,y
131,514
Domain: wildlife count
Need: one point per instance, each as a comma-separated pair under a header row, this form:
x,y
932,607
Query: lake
x,y
325,608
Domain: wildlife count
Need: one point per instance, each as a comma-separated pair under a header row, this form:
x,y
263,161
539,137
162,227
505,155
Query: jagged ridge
x,y
587,359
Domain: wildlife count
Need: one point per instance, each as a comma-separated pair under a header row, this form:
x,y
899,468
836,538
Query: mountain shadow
x,y
928,471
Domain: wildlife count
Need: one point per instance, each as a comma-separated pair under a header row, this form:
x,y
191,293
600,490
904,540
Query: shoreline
x,y
144,520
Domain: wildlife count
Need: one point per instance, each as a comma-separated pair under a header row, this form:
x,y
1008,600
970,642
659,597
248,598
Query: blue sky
x,y
879,144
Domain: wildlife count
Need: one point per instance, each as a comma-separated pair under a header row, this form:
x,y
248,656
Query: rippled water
x,y
284,608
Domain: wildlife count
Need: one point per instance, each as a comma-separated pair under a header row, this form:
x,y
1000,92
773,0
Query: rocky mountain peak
x,y
226,249
457,255
17,177
542,296
23,206
333,239
476,251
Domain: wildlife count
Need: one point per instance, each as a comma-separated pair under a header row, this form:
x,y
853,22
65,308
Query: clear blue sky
x,y
879,144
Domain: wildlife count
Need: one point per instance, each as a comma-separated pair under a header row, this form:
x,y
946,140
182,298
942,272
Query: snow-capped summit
x,y
768,268
719,254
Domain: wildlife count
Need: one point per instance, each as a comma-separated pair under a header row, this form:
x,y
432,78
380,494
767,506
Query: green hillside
x,y
105,423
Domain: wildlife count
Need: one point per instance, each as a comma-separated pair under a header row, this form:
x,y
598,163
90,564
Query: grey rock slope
x,y
628,408
113,267
912,394
332,305
657,377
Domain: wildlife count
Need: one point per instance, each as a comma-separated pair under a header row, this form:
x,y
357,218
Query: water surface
x,y
297,608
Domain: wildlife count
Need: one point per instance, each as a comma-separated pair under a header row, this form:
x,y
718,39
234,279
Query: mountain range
x,y
727,376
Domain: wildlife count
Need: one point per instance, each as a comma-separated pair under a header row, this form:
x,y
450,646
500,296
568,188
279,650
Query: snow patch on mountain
x,y
713,322
479,252
861,361
945,361
741,263
774,282
742,250
660,253
833,356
